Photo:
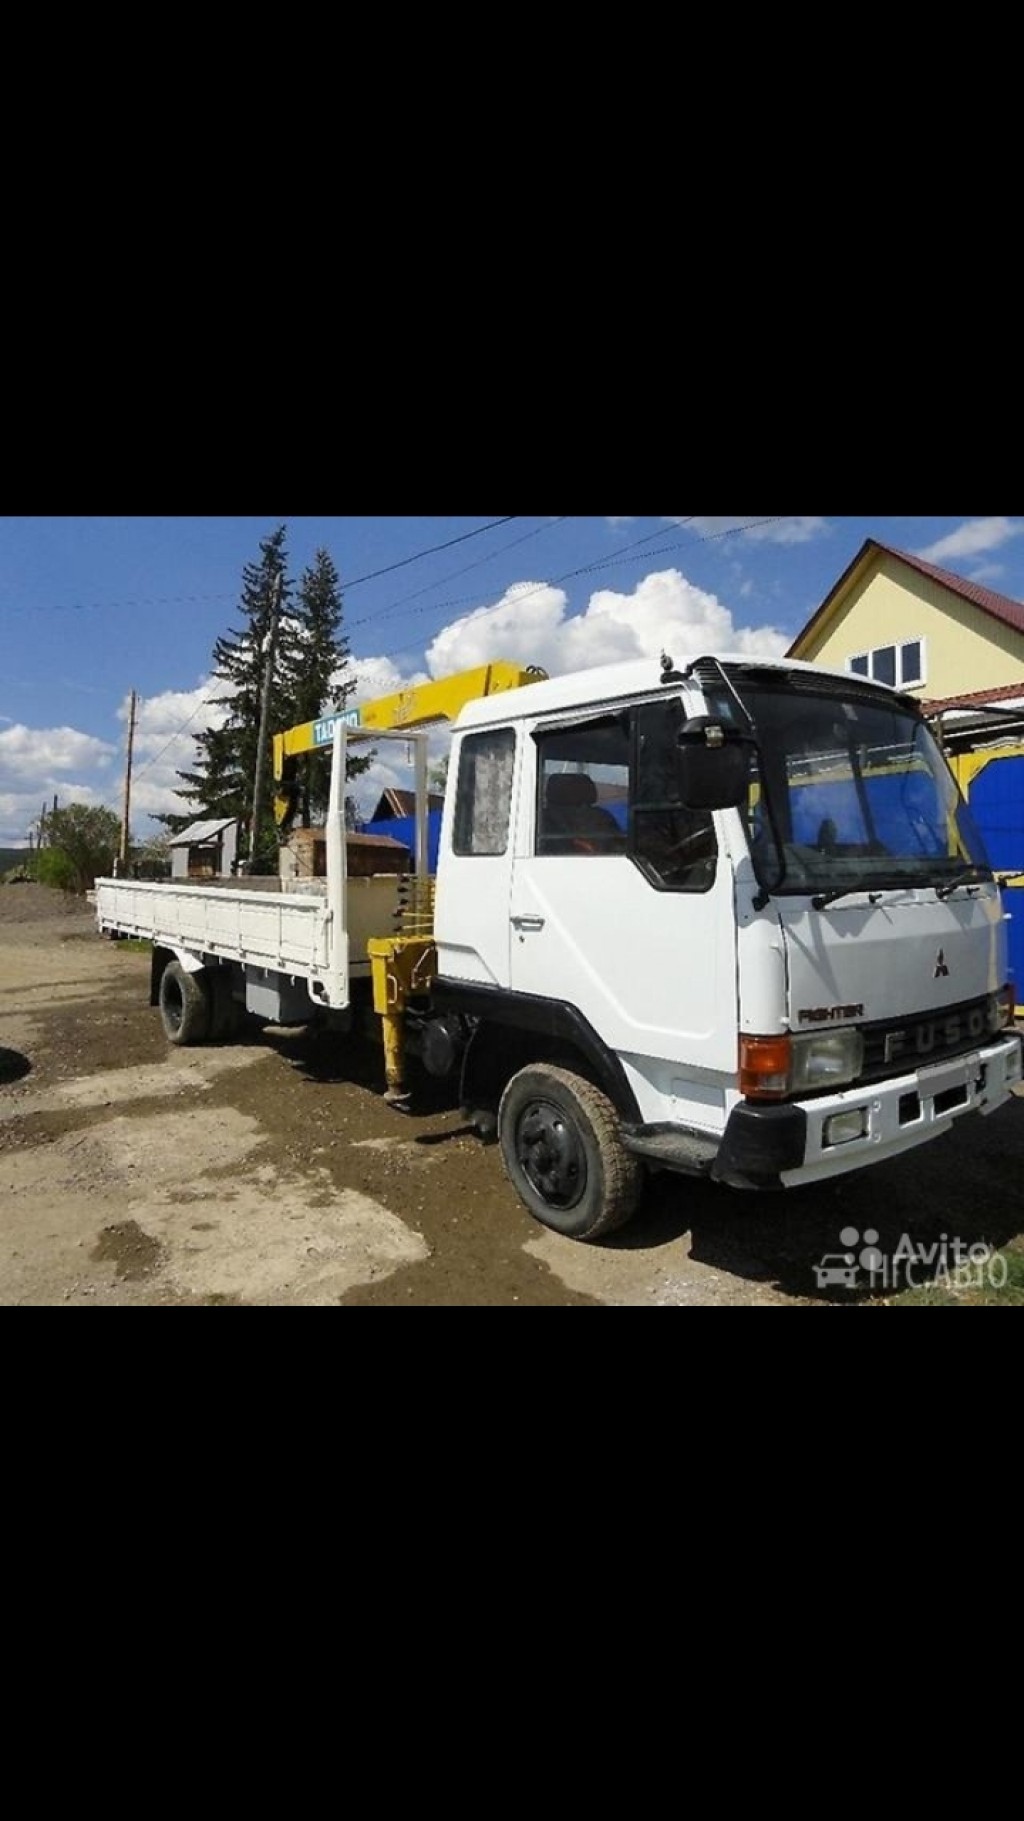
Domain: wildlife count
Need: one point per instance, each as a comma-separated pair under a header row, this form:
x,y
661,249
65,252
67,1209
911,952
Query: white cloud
x,y
379,677
664,612
38,765
530,625
165,735
48,753
971,538
522,627
176,713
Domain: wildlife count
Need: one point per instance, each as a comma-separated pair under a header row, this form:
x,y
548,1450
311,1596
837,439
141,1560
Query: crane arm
x,y
422,705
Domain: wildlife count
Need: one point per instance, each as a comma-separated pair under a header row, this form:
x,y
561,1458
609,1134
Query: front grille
x,y
897,1045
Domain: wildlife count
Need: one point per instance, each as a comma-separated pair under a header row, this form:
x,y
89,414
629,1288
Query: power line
x,y
146,600
621,560
612,562
176,600
207,702
433,550
396,606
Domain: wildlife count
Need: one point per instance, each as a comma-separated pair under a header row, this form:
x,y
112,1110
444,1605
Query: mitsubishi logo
x,y
940,965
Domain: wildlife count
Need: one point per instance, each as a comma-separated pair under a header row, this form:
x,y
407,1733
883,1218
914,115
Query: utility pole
x,y
261,744
128,784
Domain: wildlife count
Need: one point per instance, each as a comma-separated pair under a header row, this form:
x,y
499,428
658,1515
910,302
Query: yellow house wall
x,y
965,649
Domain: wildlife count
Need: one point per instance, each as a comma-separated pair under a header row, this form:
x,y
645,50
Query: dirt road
x,y
269,1171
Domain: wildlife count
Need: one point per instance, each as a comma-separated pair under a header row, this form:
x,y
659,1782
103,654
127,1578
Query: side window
x,y
583,788
611,786
483,803
676,847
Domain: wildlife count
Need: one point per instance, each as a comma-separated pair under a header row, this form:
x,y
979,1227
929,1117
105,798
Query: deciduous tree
x,y
80,844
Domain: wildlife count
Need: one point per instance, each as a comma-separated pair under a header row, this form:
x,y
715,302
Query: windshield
x,y
859,796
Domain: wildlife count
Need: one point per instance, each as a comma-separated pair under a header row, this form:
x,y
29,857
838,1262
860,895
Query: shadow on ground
x,y
325,1056
859,1238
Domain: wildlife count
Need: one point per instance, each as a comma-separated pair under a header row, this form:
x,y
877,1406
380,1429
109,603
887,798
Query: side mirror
x,y
713,765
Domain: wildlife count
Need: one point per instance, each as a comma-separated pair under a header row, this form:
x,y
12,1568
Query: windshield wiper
x,y
978,874
822,900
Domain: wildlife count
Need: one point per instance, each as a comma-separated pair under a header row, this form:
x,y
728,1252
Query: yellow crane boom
x,y
421,705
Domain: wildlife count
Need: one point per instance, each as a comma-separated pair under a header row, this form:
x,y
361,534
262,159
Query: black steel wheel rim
x,y
550,1155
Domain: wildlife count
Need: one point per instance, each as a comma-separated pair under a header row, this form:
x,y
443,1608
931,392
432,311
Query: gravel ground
x,y
269,1171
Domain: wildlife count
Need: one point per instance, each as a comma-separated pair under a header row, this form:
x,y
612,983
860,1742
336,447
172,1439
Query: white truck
x,y
729,918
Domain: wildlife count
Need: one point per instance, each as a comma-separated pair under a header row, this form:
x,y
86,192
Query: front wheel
x,y
562,1153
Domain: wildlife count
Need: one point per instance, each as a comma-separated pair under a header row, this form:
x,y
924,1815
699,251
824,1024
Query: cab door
x,y
632,925
475,865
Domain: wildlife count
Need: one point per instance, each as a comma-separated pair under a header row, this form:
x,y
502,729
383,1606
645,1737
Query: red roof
x,y
998,606
980,698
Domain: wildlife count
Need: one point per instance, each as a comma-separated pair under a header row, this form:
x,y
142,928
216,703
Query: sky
x,y
92,609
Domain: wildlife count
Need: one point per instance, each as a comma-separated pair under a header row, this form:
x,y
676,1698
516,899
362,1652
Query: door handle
x,y
528,923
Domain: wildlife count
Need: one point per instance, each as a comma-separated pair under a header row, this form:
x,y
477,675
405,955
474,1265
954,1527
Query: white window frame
x,y
900,645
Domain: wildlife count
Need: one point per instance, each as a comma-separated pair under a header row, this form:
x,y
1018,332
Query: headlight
x,y
773,1068
826,1059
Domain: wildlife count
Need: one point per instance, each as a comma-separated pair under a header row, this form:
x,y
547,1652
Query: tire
x,y
184,1005
562,1152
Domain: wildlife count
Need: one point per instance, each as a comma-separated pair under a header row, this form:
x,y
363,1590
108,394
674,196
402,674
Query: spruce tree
x,y
313,676
216,789
307,679
240,660
223,779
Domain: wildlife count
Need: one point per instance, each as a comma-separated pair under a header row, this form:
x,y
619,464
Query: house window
x,y
901,666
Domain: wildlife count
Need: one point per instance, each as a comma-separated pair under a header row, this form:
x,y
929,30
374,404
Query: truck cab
x,y
731,919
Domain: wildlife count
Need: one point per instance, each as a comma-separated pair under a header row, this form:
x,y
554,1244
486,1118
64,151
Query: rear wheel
x,y
562,1152
184,1005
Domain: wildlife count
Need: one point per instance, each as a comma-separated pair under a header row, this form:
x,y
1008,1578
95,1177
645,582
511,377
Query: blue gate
x,y
996,796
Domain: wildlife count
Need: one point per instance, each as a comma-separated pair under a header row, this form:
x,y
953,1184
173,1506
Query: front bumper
x,y
774,1147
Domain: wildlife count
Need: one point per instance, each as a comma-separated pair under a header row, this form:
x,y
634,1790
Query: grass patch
x,y
998,1283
